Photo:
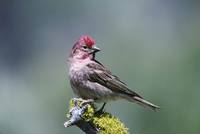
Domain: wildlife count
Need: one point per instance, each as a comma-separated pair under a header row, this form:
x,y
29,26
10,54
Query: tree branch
x,y
84,115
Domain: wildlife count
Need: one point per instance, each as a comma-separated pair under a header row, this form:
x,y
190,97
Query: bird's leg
x,y
100,111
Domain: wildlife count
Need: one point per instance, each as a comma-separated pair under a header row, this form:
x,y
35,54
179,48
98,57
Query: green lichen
x,y
105,122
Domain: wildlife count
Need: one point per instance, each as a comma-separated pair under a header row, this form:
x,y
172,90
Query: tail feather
x,y
145,103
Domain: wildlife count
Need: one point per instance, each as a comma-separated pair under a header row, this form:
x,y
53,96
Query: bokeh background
x,y
154,46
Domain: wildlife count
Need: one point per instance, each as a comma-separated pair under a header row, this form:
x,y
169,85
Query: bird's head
x,y
85,47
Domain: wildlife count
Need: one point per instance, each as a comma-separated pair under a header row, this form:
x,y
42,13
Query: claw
x,y
84,102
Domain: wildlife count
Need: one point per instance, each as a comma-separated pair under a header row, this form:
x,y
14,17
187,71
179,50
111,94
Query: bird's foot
x,y
77,99
82,102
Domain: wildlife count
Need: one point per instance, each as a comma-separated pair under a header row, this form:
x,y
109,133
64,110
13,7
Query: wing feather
x,y
99,74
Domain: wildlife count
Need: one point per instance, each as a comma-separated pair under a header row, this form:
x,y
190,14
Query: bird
x,y
91,80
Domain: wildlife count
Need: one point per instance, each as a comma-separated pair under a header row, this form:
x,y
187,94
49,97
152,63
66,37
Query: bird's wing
x,y
98,73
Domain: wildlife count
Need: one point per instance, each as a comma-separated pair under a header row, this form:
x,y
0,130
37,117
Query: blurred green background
x,y
153,46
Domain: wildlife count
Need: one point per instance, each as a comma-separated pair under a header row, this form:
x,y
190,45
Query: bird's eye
x,y
85,47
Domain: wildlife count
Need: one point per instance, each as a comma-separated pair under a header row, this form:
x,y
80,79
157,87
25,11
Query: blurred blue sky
x,y
154,46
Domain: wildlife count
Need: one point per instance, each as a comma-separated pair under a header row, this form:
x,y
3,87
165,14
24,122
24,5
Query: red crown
x,y
88,41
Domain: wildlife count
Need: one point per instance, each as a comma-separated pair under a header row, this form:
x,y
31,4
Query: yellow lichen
x,y
89,113
109,124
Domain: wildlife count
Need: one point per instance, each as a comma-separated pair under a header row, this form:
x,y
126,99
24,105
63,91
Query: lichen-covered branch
x,y
83,114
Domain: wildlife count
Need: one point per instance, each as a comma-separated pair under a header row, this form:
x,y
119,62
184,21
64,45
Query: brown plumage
x,y
89,79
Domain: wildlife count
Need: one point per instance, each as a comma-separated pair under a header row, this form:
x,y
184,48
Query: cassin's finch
x,y
89,79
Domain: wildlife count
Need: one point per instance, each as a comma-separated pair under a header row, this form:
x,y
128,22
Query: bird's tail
x,y
145,103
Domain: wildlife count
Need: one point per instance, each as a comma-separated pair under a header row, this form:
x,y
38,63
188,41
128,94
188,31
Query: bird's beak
x,y
95,49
